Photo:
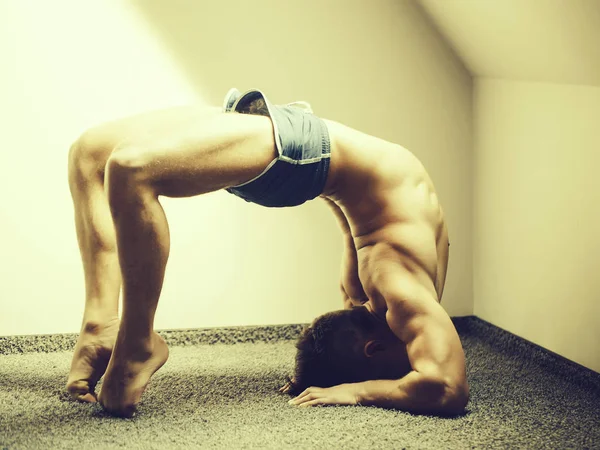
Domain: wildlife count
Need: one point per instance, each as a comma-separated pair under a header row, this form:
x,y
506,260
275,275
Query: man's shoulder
x,y
392,265
407,243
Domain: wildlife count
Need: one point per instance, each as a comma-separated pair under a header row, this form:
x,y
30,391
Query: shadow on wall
x,y
292,50
351,60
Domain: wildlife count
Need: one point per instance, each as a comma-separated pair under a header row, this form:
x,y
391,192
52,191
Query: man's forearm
x,y
414,393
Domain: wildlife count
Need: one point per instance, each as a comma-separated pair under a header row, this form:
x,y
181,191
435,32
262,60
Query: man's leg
x,y
97,241
192,157
98,247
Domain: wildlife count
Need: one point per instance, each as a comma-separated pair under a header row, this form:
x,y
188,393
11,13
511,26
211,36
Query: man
x,y
396,345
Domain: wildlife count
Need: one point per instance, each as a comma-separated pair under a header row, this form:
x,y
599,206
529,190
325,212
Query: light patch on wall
x,y
66,66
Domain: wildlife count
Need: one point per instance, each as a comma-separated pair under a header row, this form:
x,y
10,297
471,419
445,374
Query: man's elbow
x,y
455,399
446,397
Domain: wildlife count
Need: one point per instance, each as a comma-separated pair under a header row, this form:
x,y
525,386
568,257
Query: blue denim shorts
x,y
299,172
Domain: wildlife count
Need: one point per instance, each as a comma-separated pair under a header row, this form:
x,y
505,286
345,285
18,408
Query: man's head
x,y
347,346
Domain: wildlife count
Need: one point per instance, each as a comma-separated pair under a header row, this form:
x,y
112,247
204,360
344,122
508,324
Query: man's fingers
x,y
301,397
310,397
310,394
286,388
315,402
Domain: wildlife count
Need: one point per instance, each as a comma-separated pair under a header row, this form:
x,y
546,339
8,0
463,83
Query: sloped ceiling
x,y
555,41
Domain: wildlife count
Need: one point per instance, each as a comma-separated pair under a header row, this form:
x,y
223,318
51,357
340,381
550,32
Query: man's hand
x,y
286,388
342,394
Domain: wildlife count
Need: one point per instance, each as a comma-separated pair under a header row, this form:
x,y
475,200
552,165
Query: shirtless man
x,y
393,270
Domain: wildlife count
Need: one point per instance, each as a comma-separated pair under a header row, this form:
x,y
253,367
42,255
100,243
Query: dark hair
x,y
329,352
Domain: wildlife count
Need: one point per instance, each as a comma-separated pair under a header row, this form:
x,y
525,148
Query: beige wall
x,y
552,41
536,195
68,65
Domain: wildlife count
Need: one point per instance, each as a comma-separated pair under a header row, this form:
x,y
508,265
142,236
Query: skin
x,y
394,263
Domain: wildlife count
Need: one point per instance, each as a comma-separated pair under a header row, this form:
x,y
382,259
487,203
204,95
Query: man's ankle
x,y
98,319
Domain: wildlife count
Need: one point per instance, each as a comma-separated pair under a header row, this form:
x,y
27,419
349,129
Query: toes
x,y
127,412
87,398
80,391
88,366
124,411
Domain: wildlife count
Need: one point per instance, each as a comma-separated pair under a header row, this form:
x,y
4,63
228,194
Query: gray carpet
x,y
219,390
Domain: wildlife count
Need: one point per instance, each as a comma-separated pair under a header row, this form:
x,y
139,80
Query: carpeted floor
x,y
219,390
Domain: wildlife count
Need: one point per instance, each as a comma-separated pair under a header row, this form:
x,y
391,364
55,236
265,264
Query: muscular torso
x,y
392,212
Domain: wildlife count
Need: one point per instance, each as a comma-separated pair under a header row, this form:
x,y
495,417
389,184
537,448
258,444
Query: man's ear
x,y
372,347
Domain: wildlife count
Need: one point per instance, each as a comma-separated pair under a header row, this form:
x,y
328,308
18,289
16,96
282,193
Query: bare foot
x,y
91,356
129,372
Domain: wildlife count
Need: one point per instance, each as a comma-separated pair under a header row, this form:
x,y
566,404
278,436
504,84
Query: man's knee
x,y
127,163
126,172
87,158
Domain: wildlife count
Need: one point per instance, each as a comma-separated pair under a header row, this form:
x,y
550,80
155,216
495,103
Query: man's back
x,y
392,209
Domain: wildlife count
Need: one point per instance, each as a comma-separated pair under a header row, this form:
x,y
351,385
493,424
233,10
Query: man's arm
x,y
438,383
349,280
340,217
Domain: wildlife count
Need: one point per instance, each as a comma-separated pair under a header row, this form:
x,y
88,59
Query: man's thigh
x,y
101,140
146,125
188,151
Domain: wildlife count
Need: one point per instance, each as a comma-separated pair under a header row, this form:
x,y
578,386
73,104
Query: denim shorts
x,y
299,172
